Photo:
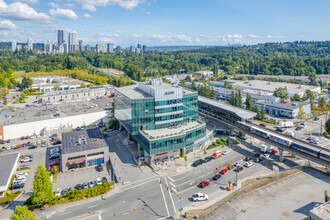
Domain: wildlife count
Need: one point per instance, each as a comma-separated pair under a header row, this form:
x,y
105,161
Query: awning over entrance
x,y
72,162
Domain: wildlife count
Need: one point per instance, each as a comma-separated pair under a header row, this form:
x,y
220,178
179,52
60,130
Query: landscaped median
x,y
72,196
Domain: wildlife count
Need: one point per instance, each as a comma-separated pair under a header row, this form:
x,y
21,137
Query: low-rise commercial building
x,y
162,118
8,165
85,148
258,86
204,73
321,212
289,110
77,95
49,119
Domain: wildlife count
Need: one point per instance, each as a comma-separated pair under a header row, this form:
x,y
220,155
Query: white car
x,y
98,181
22,174
199,197
26,159
248,164
31,137
226,152
54,150
8,148
20,178
38,141
266,155
91,184
57,192
38,136
239,163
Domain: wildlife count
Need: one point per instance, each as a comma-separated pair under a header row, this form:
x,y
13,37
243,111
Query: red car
x,y
274,151
223,171
24,145
204,183
53,164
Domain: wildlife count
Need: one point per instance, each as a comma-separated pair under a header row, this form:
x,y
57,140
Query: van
x,y
217,154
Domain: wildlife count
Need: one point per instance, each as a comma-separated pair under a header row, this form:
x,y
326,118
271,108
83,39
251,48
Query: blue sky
x,y
166,22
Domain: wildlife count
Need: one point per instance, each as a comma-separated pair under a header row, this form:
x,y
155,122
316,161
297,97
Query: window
x,y
94,154
77,157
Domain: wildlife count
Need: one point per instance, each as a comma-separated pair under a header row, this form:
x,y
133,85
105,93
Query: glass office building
x,y
162,118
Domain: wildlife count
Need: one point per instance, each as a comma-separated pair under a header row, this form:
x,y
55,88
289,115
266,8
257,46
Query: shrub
x,y
218,141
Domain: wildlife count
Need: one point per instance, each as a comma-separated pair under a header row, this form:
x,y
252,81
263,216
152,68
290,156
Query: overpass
x,y
230,115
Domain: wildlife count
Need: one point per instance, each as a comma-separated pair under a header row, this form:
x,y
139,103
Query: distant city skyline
x,y
159,23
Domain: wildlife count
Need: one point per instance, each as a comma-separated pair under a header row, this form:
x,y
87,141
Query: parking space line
x,y
171,179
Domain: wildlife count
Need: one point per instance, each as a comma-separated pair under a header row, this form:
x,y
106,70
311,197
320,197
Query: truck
x,y
285,124
217,154
265,147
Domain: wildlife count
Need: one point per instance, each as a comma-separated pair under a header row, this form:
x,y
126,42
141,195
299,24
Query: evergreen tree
x,y
301,112
22,213
42,187
263,113
193,86
249,103
239,99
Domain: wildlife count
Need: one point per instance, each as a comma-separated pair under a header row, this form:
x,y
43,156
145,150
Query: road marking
x,y
228,178
100,218
133,183
50,215
92,206
214,185
169,191
172,184
171,179
161,188
186,182
138,185
64,213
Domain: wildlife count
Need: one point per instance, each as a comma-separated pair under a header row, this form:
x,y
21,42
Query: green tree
x,y
295,97
22,213
83,85
249,103
26,83
301,112
309,95
193,86
239,99
57,87
282,93
327,126
228,85
262,114
42,187
312,79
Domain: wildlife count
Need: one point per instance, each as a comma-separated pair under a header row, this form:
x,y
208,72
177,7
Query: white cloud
x,y
22,12
204,35
236,38
126,4
7,25
54,5
87,16
148,13
28,1
269,36
87,7
66,14
252,36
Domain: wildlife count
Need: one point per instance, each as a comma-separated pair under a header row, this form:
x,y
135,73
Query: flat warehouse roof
x,y
77,141
7,164
242,113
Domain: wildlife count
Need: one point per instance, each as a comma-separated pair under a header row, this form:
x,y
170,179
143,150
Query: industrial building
x,y
47,83
289,110
321,212
268,88
85,148
49,119
8,165
77,95
162,118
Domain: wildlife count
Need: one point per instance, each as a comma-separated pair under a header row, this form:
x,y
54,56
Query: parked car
x,y
263,125
57,142
65,191
85,185
248,164
217,154
25,160
266,155
57,192
316,119
223,171
99,168
98,181
274,151
22,174
198,162
104,180
33,147
204,183
239,163
78,187
238,169
54,156
53,164
257,155
226,152
91,184
17,186
257,160
207,159
247,158
199,197
54,150
216,177
24,166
